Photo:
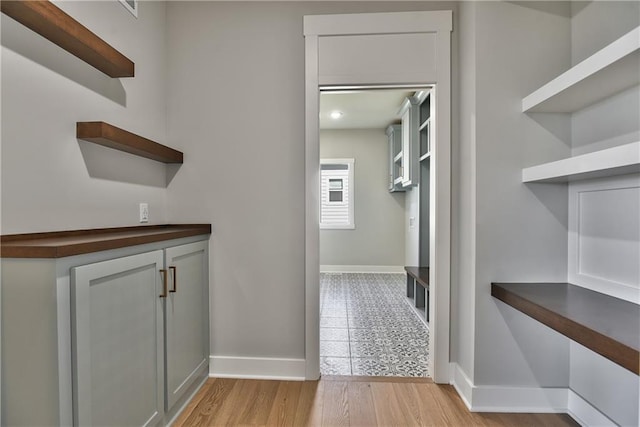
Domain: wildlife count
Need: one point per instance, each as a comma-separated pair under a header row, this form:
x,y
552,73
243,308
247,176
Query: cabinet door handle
x,y
164,283
175,279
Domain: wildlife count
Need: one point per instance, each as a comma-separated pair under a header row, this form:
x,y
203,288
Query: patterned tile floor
x,y
367,327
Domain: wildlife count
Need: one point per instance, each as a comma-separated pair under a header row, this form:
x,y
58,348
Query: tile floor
x,y
367,327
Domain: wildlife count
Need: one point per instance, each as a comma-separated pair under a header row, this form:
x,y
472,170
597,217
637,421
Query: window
x,y
336,188
336,194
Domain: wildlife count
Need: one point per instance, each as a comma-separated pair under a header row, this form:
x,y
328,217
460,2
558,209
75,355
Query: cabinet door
x,y
187,311
410,145
390,137
117,341
406,147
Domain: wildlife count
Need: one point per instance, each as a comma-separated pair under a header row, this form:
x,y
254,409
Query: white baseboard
x,y
519,399
362,269
525,399
507,399
257,368
585,413
461,382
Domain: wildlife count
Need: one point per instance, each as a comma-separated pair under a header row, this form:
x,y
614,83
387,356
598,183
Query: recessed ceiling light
x,y
336,114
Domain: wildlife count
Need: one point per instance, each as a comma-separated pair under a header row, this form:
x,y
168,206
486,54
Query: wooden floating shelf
x,y
612,161
605,73
52,23
606,325
110,136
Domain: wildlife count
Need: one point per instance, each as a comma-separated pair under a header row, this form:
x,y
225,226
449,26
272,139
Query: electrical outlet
x,y
144,212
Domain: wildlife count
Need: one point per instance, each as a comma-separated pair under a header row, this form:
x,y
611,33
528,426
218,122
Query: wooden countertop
x,y
607,325
60,244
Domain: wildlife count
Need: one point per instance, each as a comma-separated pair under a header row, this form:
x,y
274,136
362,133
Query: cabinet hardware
x,y
175,279
164,283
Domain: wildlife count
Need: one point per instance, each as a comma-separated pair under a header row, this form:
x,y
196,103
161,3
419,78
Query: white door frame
x,y
440,24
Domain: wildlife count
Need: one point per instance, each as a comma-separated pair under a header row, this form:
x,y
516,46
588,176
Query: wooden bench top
x,y
607,325
421,274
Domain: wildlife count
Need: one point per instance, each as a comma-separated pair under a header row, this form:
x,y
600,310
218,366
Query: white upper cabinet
x,y
394,134
410,114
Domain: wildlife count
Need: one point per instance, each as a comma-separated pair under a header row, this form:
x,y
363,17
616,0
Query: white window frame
x,y
351,225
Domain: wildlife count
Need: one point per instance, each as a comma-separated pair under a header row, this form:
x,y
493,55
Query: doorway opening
x,y
374,221
398,49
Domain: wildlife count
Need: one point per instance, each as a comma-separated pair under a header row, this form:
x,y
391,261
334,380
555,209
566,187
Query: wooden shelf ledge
x,y
608,326
607,72
619,160
110,136
52,23
60,244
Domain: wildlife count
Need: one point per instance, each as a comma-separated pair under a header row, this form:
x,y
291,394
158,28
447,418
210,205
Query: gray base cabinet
x,y
112,338
117,338
187,313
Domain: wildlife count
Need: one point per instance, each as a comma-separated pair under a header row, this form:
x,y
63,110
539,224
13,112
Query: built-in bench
x,y
418,287
608,326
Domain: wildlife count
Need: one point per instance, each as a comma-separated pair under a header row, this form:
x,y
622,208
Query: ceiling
x,y
362,109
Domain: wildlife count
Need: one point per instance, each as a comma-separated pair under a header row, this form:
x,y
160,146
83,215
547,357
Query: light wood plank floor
x,y
343,401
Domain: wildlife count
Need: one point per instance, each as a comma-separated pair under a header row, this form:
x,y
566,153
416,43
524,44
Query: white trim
x,y
625,291
378,23
312,211
519,399
439,22
440,214
585,413
461,382
259,368
525,399
362,268
132,9
508,399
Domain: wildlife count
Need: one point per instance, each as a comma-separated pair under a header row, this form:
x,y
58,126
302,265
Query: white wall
x,y
464,204
605,212
595,24
609,387
412,226
52,181
378,239
236,103
519,231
